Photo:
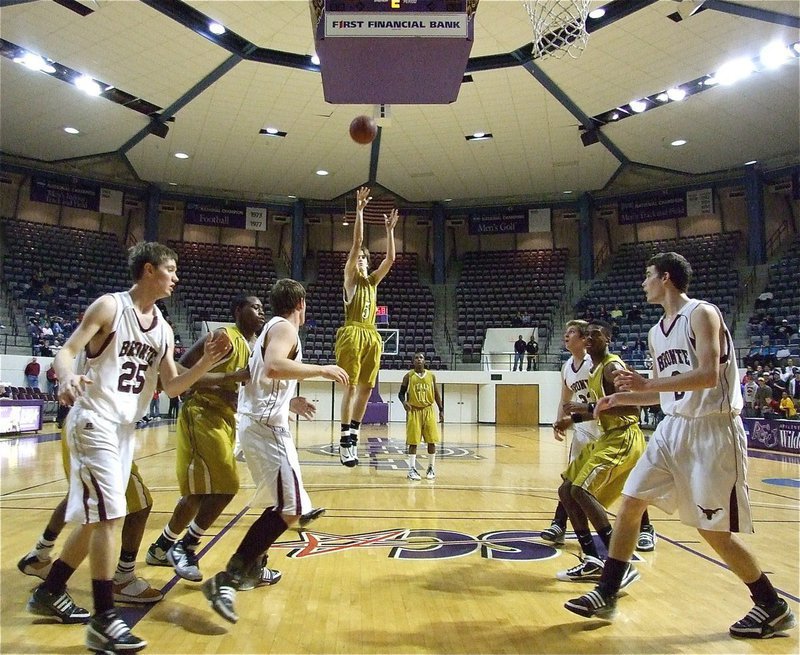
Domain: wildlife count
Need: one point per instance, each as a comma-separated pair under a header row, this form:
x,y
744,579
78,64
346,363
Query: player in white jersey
x,y
696,460
263,428
128,346
574,387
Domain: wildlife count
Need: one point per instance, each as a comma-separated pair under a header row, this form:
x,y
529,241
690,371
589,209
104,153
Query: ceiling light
x,y
72,130
291,196
479,136
678,142
638,105
344,222
566,192
710,81
315,59
172,183
662,97
272,130
216,28
614,116
733,71
88,85
448,200
181,155
751,162
597,13
322,172
31,61
676,93
774,54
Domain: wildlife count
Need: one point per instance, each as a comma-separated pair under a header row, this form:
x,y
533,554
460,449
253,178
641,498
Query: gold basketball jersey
x,y
420,389
361,308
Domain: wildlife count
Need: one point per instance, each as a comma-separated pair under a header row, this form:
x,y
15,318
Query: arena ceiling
x,y
214,98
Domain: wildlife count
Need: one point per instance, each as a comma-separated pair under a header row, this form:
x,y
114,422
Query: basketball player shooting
x,y
358,344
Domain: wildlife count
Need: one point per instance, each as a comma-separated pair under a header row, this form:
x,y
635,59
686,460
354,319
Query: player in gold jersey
x,y
358,344
205,464
595,478
418,392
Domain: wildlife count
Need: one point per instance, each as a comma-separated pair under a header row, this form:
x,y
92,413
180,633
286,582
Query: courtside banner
x,y
767,434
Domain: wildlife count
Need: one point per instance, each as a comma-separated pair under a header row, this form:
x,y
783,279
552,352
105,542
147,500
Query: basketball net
x,y
559,27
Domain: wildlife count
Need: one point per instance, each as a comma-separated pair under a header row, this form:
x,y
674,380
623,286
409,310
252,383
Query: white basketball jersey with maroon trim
x,y
575,374
124,372
263,399
674,352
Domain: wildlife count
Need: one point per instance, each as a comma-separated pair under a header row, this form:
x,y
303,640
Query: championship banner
x,y
652,209
78,195
235,215
498,224
699,202
768,434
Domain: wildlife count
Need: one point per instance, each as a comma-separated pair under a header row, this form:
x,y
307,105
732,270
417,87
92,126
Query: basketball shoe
x,y
413,474
310,517
220,591
32,565
588,570
259,576
136,590
348,455
647,539
184,561
593,604
59,606
107,633
156,556
430,474
555,534
764,621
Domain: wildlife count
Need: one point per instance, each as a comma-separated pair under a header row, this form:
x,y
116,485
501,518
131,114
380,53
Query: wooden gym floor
x,y
450,566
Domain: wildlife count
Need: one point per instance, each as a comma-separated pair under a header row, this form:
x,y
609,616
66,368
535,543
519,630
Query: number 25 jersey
x,y
124,371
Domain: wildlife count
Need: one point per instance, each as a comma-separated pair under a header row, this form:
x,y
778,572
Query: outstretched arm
x,y
389,221
351,266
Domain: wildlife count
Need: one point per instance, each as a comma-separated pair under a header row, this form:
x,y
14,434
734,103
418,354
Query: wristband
x,y
576,418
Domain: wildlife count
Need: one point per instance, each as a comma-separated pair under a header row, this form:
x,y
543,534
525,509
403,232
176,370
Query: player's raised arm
x,y
389,222
351,266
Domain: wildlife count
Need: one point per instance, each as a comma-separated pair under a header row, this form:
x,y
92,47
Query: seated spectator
x,y
47,331
787,406
749,389
526,319
784,330
764,300
616,313
634,314
516,320
603,314
763,397
73,287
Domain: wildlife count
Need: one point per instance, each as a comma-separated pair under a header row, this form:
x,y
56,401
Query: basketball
x,y
363,130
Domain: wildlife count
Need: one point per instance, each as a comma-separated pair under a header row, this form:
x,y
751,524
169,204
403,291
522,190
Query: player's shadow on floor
x,y
200,620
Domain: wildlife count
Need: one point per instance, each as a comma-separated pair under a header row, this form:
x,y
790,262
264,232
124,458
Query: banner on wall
x,y
699,202
79,195
767,434
498,223
539,220
232,214
652,209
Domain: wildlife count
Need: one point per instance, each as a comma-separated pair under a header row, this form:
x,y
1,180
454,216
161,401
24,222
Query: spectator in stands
x,y
639,346
52,379
787,406
520,346
778,386
47,331
516,320
73,287
155,402
634,314
763,397
788,370
784,330
764,300
32,371
526,319
47,291
749,389
55,324
532,351
33,329
793,386
603,314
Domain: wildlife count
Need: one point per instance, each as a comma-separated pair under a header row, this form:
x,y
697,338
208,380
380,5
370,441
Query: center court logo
x,y
404,543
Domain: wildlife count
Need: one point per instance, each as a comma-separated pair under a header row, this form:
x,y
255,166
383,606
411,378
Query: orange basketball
x,y
363,130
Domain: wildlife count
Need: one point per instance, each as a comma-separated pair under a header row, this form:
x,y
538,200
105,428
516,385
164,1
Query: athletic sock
x,y
412,461
262,534
56,580
344,434
103,595
193,535
44,545
125,566
605,535
560,516
763,592
431,460
355,430
645,521
613,572
586,542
